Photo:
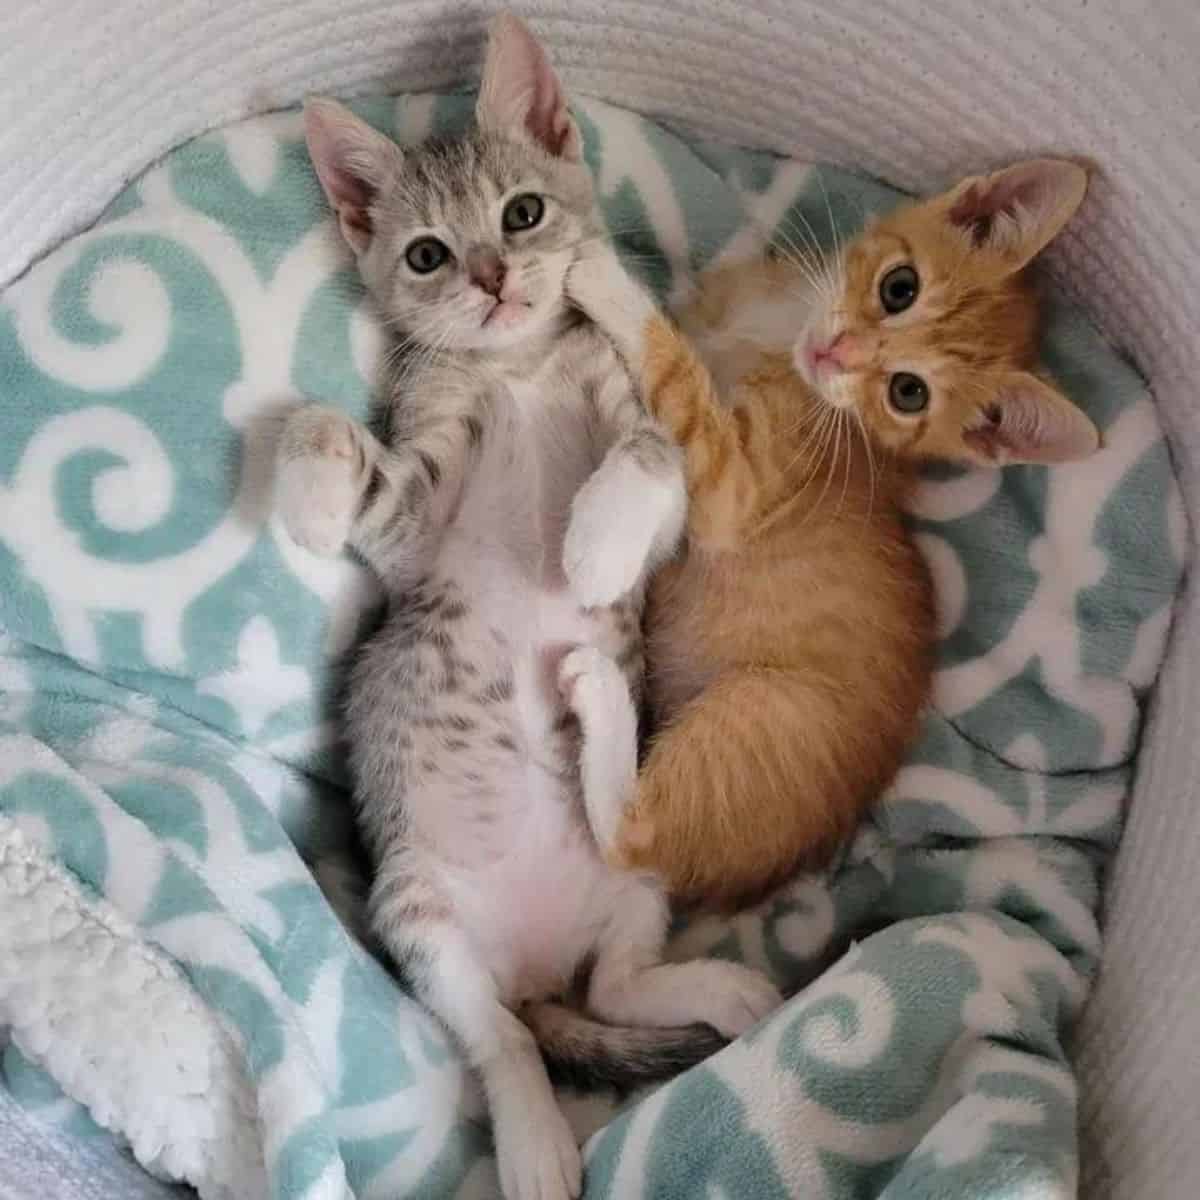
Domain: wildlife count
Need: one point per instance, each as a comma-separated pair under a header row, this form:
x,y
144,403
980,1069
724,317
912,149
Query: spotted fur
x,y
513,509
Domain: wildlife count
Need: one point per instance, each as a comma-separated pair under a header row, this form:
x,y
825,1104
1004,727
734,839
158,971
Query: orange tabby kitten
x,y
791,646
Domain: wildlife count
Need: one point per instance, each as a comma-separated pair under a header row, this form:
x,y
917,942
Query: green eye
x,y
907,393
426,254
898,289
523,212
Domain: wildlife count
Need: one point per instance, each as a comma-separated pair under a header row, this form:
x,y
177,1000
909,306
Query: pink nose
x,y
486,269
834,354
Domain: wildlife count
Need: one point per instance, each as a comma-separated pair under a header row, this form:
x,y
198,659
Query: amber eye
x,y
523,212
426,254
898,289
907,393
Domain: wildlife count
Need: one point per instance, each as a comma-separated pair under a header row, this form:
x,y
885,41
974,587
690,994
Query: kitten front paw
x,y
598,284
623,522
604,556
316,479
595,280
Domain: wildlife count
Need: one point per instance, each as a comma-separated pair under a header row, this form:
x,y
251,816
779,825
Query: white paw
x,y
597,691
620,517
588,673
599,284
597,280
540,1160
317,479
729,997
602,562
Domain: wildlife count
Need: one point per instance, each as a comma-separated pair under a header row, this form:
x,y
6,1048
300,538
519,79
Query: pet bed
x,y
169,769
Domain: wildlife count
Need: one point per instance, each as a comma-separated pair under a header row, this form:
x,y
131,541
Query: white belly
x,y
534,913
536,895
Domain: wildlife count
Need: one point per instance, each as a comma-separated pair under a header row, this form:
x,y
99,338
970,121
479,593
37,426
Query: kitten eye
x,y
907,393
898,289
426,254
523,212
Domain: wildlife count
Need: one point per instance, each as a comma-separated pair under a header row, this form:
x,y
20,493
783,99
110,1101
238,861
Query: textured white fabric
x,y
913,90
36,1160
79,988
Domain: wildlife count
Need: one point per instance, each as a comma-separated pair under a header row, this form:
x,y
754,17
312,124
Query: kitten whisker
x,y
866,439
821,256
806,262
832,461
820,436
806,419
784,245
428,350
833,229
844,423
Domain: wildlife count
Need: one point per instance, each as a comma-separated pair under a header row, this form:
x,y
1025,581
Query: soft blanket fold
x,y
169,769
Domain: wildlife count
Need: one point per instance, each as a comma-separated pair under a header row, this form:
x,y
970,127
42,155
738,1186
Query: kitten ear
x,y
1029,421
352,162
520,94
1018,211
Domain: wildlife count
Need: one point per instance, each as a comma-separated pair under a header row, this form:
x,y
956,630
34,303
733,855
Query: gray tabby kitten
x,y
513,513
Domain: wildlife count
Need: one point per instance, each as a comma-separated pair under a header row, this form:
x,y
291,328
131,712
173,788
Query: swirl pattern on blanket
x,y
170,663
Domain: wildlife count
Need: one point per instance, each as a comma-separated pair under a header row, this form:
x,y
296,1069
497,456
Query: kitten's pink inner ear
x,y
349,158
521,94
1030,422
1017,211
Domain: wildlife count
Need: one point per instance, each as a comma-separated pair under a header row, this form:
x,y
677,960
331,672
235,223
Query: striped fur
x,y
790,650
513,507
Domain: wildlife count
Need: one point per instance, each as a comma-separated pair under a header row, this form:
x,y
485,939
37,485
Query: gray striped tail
x,y
589,1055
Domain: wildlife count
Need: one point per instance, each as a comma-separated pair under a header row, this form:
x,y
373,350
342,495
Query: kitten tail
x,y
589,1055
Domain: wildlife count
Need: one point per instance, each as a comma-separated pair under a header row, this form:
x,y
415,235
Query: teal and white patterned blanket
x,y
169,768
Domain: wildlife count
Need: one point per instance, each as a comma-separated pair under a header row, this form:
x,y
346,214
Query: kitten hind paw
x,y
585,663
729,997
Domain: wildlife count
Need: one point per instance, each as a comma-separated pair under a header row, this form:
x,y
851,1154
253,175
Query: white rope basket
x,y
914,91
